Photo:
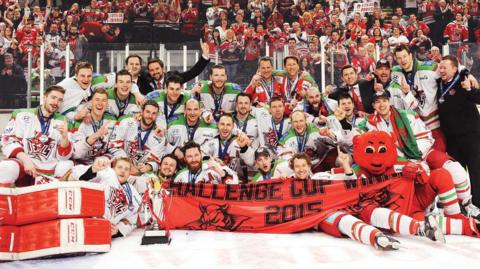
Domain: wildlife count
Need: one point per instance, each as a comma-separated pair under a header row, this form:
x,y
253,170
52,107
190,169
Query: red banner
x,y
279,206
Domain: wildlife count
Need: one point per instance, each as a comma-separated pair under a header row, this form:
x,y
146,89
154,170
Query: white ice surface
x,y
199,249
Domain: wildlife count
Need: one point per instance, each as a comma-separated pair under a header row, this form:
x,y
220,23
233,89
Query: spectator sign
x,y
114,18
366,7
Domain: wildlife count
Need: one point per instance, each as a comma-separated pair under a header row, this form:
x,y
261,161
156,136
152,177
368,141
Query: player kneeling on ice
x,y
122,200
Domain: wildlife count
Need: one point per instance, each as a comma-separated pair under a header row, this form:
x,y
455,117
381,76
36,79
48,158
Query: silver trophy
x,y
153,233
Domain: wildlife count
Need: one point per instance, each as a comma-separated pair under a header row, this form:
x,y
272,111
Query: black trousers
x,y
466,150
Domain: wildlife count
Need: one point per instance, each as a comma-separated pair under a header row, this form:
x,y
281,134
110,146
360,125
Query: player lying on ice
x,y
375,155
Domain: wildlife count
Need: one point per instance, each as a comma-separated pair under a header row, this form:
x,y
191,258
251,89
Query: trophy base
x,y
155,237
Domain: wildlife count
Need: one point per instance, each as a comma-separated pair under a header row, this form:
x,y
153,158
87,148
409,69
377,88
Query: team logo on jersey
x,y
26,119
132,149
98,148
141,156
271,138
38,149
421,96
117,202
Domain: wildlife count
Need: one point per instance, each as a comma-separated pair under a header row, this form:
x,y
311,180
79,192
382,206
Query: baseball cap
x,y
262,151
382,63
382,94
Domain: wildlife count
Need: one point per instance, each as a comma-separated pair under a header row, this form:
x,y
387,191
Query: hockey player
x,y
189,127
416,82
230,148
77,91
304,137
244,120
92,139
35,142
122,200
264,85
295,83
269,168
317,107
121,101
79,88
344,122
217,95
171,101
168,167
342,223
414,141
272,123
198,171
375,155
139,139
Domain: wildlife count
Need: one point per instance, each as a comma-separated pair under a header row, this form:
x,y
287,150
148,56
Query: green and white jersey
x,y
118,107
179,133
141,146
344,131
248,127
86,153
269,131
423,95
75,97
168,113
230,153
206,175
279,168
225,102
25,132
327,107
311,142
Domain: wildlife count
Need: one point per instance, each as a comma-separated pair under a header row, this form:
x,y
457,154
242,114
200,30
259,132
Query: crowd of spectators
x,y
238,31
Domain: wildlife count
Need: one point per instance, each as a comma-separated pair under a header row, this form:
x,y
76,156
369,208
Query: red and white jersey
x,y
363,65
423,136
419,25
291,88
388,28
23,133
141,146
252,49
265,90
239,28
456,32
473,8
86,153
122,201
